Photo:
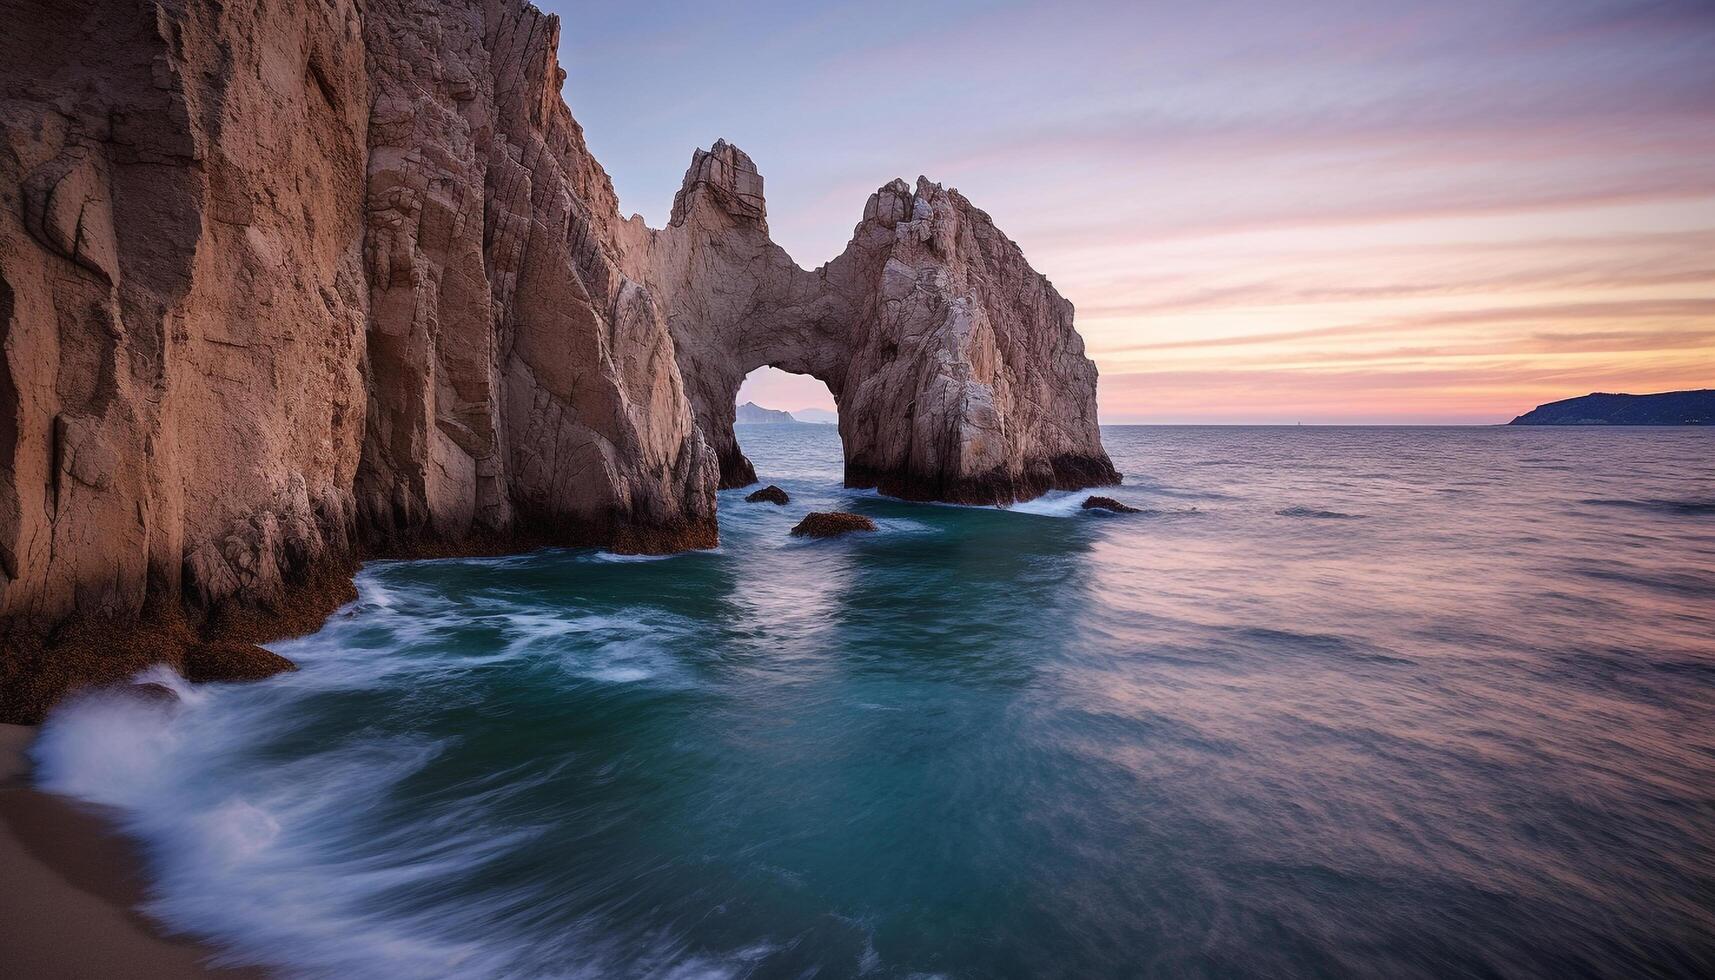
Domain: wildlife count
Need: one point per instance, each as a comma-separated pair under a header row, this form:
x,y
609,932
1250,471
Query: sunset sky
x,y
1263,211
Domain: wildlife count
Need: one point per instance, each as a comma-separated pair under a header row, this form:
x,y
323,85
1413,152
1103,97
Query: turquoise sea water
x,y
1340,702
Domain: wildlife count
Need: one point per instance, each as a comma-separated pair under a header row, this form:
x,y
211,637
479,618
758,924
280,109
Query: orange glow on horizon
x,y
1383,212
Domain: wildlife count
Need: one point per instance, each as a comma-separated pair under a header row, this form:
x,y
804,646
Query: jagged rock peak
x,y
895,201
725,176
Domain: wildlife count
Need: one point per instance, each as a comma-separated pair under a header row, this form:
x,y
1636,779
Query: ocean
x,y
1339,702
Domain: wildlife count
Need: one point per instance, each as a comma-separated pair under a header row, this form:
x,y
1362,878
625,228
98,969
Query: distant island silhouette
x,y
750,413
1665,408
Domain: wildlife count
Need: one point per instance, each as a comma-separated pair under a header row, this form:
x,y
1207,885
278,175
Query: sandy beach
x,y
72,886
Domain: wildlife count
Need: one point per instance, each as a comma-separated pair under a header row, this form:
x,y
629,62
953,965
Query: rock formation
x,y
285,284
522,386
954,364
831,524
770,494
182,309
1109,504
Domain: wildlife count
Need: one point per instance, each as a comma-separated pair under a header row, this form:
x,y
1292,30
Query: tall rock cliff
x,y
523,390
285,284
182,308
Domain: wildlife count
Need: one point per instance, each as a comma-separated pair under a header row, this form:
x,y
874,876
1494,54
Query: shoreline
x,y
73,884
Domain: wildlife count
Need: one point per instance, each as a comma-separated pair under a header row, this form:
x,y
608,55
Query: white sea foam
x,y
1054,503
113,747
273,861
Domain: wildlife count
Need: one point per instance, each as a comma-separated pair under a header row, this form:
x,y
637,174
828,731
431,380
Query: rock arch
x,y
955,366
259,322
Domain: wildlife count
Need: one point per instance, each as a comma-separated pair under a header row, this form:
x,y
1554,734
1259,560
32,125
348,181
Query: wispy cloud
x,y
1256,208
1699,310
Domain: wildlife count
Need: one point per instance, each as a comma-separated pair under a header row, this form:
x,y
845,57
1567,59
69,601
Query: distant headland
x,y
750,413
1664,408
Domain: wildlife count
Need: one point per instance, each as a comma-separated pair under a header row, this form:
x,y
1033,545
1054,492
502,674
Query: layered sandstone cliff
x,y
182,307
282,284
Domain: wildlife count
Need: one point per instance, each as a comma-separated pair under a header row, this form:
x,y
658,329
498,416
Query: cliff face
x,y
182,303
523,388
285,283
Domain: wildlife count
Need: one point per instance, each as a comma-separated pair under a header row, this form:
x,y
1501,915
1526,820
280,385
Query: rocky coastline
x,y
287,287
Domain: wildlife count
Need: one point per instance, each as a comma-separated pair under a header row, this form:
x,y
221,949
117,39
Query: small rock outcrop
x,y
831,524
1110,504
285,285
149,692
770,494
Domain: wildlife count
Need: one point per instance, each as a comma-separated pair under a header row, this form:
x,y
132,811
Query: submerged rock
x,y
1109,503
831,524
770,494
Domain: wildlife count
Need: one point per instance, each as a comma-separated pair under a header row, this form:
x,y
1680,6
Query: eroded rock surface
x,y
523,388
286,284
182,308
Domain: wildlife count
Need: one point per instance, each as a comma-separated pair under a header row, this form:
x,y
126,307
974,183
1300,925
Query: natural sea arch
x,y
955,366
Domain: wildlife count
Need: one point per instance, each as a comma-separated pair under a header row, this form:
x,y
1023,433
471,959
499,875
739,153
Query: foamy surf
x,y
281,864
1054,503
112,746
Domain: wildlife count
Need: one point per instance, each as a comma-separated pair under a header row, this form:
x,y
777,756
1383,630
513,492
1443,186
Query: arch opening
x,y
806,398
784,422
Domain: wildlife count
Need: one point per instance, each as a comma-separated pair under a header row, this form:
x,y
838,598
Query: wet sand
x,y
69,887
